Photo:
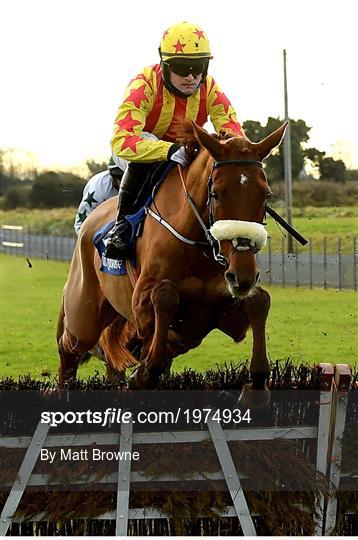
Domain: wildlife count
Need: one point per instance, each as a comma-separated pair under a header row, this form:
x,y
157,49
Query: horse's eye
x,y
268,195
214,195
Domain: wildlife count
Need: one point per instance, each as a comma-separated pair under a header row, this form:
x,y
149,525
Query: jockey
x,y
99,188
176,89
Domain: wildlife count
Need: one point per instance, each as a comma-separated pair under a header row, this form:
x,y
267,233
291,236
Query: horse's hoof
x,y
253,398
142,379
132,381
48,393
53,393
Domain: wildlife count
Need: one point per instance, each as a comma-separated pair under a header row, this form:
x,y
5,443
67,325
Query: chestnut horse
x,y
196,267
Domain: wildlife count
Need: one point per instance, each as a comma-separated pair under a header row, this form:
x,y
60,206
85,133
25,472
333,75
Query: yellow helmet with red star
x,y
184,40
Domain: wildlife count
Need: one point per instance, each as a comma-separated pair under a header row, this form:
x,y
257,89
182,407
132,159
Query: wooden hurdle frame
x,y
341,385
331,423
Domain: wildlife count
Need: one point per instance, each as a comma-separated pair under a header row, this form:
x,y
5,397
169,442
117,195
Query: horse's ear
x,y
208,141
184,131
271,141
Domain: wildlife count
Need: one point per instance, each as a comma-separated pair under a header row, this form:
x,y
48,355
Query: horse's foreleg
x,y
164,300
256,394
257,308
235,322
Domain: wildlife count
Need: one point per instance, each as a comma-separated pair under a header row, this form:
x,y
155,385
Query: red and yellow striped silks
x,y
149,106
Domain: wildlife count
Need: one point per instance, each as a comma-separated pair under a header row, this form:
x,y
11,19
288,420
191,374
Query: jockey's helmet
x,y
184,49
184,40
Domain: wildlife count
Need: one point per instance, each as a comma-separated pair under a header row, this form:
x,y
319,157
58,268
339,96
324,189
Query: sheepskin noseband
x,y
238,231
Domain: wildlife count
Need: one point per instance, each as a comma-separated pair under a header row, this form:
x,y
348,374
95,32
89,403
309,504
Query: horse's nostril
x,y
245,285
231,278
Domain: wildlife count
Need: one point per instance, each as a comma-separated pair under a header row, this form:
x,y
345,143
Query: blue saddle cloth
x,y
101,237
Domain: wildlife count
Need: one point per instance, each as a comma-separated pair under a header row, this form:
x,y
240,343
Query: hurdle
x,y
327,435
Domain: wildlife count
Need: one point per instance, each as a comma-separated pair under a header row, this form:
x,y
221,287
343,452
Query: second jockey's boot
x,y
118,246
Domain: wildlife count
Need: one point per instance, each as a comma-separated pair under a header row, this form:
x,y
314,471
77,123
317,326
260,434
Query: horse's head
x,y
237,194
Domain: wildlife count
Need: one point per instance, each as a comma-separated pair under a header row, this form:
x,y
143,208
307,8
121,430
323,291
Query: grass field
x,y
314,223
305,325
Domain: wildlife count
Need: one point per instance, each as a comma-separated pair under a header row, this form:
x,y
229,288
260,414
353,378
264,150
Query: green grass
x,y
57,221
319,223
311,222
305,325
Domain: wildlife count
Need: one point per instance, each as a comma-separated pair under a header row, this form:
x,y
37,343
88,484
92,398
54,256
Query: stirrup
x,y
118,245
116,249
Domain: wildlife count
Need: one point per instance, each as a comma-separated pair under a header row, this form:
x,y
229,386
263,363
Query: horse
x,y
195,268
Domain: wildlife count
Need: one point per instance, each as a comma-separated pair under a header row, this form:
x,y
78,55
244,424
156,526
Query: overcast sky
x,y
65,65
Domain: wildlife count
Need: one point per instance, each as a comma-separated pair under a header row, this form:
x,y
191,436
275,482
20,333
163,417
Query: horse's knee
x,y
258,303
165,297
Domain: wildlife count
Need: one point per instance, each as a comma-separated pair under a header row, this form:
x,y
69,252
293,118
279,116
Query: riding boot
x,y
118,245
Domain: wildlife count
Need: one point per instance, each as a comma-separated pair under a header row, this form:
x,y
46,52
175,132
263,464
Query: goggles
x,y
184,68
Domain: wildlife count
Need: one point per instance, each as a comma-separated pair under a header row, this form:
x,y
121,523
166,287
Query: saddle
x,y
151,183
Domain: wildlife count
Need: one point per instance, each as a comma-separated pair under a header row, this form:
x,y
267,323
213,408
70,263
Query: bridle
x,y
211,241
216,165
243,242
239,242
268,210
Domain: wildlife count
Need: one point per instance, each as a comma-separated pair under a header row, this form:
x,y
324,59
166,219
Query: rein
x,y
170,228
211,241
214,244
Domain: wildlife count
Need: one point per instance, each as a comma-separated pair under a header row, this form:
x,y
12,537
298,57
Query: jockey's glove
x,y
178,154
